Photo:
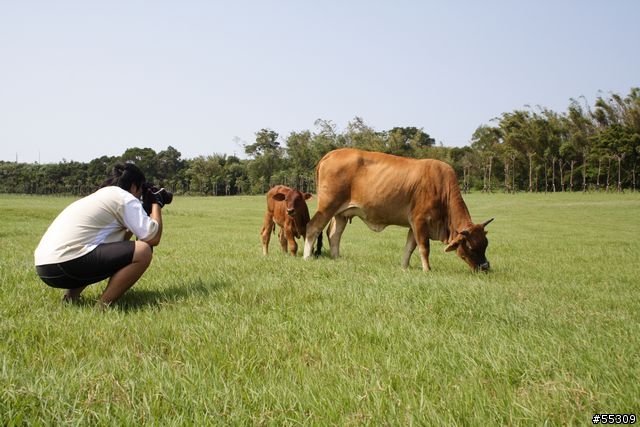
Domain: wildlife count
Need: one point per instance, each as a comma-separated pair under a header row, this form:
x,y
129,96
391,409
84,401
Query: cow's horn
x,y
484,224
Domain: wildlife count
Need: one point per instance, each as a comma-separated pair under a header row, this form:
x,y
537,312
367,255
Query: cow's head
x,y
470,244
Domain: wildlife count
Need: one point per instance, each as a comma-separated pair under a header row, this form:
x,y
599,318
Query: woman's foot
x,y
70,299
72,295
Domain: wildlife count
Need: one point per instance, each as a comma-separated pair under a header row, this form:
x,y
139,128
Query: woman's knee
x,y
142,253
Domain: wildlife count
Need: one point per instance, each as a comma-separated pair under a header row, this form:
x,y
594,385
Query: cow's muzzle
x,y
290,212
484,266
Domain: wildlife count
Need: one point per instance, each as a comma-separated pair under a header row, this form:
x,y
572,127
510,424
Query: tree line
x,y
586,148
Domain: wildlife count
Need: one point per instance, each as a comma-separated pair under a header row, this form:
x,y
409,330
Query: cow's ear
x,y
454,243
307,196
279,197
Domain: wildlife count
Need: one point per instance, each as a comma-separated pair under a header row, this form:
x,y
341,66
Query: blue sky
x,y
82,79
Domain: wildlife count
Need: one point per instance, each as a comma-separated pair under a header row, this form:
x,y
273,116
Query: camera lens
x,y
167,197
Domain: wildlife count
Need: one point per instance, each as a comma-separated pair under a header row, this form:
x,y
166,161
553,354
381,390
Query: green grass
x,y
216,334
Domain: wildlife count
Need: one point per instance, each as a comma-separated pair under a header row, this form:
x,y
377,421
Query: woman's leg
x,y
124,278
73,294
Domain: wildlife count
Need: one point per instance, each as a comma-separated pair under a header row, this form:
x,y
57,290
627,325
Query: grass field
x,y
216,334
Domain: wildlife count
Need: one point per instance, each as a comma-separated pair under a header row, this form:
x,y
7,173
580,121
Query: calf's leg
x,y
282,237
265,234
293,246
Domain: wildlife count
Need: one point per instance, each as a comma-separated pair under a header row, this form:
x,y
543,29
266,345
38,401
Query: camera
x,y
152,194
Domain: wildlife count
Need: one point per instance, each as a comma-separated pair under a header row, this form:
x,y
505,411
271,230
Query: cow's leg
x,y
409,247
265,234
334,234
314,228
421,236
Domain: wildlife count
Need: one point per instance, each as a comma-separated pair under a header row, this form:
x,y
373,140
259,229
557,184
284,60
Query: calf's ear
x,y
279,197
307,196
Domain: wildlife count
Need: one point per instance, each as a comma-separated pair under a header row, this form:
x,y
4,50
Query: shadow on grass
x,y
142,299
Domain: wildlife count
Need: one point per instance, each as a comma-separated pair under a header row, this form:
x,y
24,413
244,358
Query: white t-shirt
x,y
101,217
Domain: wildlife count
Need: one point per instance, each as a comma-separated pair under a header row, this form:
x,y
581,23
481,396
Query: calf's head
x,y
296,205
470,244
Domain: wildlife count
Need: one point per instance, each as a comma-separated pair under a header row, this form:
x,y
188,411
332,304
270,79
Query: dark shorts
x,y
102,262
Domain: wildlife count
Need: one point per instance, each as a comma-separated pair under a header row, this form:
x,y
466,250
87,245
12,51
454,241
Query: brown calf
x,y
287,208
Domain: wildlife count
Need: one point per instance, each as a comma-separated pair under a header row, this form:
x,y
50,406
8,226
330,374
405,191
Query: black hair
x,y
123,175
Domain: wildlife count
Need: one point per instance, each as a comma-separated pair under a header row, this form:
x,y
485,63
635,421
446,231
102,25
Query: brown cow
x,y
287,208
382,189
